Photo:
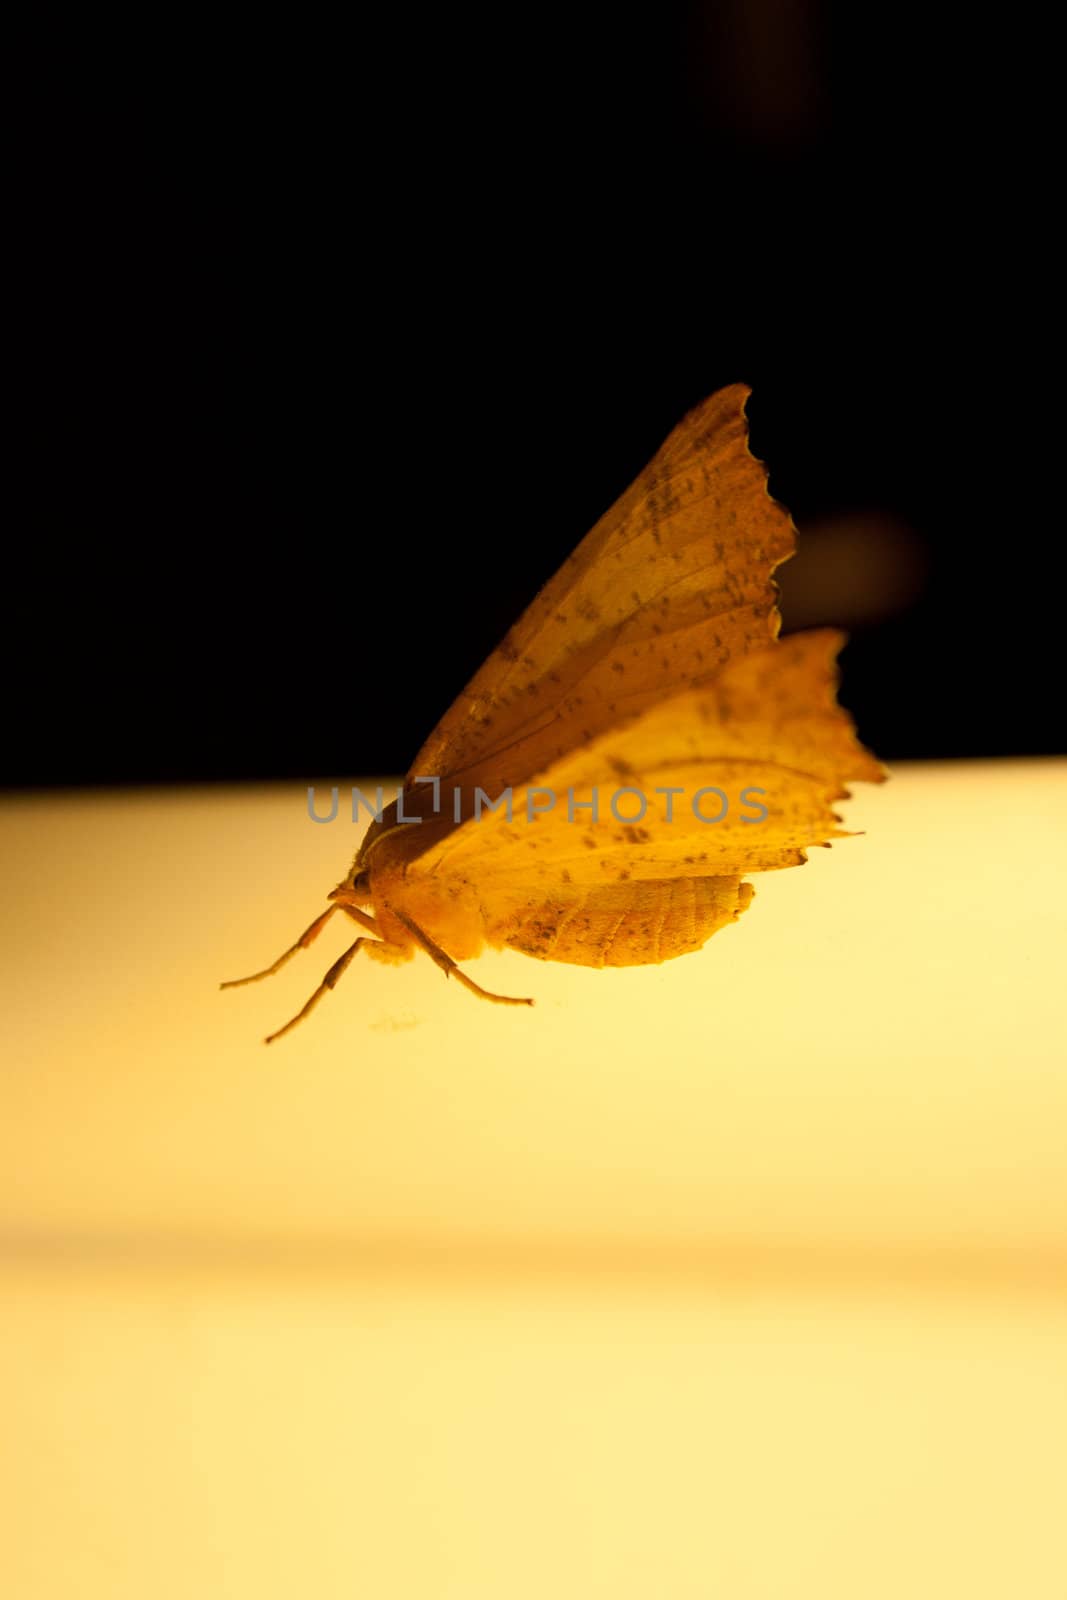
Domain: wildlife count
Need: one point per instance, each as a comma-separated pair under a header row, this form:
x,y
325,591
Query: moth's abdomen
x,y
624,924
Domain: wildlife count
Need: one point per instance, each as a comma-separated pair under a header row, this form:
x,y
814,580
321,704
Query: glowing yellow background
x,y
744,1276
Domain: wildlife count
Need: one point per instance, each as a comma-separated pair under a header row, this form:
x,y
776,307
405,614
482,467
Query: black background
x,y
331,342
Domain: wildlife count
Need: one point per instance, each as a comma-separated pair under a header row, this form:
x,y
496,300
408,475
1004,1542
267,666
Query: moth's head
x,y
354,889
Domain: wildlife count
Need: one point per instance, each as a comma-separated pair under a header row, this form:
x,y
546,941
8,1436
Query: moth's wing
x,y
634,923
770,722
674,581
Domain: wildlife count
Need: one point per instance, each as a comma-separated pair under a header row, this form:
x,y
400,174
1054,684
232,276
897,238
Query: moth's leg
x,y
364,919
449,967
308,936
327,983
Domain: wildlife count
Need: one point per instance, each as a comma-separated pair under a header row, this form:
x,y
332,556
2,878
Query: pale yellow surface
x,y
745,1276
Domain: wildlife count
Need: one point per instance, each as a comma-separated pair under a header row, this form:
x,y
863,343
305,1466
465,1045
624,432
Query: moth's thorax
x,y
379,827
408,825
447,909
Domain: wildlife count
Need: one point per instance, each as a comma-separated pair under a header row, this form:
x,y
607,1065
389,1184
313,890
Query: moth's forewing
x,y
673,582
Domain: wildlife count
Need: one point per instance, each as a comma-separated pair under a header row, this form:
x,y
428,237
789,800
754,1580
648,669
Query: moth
x,y
570,803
